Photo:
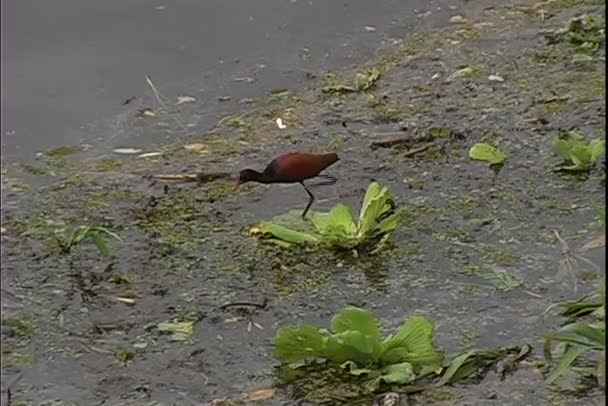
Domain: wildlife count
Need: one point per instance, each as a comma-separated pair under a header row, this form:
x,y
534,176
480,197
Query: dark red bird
x,y
293,168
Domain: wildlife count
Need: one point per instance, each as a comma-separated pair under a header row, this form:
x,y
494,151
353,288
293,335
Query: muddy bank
x,y
498,73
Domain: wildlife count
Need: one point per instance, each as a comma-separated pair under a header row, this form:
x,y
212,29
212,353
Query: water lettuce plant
x,y
578,153
355,344
378,218
488,153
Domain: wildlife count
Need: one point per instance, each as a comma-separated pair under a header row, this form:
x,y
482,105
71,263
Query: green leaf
x,y
580,156
337,225
353,346
287,234
182,331
356,319
390,223
78,235
569,339
106,231
412,343
591,332
488,153
101,243
402,373
578,153
501,280
564,143
456,365
596,148
564,363
353,369
375,204
292,344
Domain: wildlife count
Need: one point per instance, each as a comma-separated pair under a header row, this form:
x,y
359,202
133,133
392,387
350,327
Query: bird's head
x,y
246,175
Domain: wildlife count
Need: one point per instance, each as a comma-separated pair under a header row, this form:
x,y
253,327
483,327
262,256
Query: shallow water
x,y
68,65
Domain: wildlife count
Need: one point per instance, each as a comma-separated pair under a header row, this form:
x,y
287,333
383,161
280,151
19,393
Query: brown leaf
x,y
599,241
262,394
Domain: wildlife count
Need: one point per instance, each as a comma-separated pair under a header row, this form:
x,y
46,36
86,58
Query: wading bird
x,y
294,167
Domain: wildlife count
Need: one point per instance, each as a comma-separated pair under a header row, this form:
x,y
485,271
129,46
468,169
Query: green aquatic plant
x,y
378,218
355,344
580,340
488,153
98,235
578,153
353,351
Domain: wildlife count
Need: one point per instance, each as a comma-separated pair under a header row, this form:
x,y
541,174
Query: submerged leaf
x,y
501,280
488,153
182,331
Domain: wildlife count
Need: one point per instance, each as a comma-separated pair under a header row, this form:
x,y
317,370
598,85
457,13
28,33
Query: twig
x,y
235,304
193,177
159,98
414,151
407,141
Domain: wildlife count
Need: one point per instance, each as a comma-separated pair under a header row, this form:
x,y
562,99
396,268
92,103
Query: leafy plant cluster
x,y
378,218
355,345
578,153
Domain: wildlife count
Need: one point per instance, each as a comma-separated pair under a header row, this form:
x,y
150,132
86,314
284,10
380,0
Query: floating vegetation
x,y
338,229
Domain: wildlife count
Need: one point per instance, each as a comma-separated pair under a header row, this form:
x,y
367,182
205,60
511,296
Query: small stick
x,y
162,105
407,141
414,151
234,304
193,177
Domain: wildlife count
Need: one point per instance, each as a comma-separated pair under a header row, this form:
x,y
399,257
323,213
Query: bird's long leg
x,y
310,200
330,180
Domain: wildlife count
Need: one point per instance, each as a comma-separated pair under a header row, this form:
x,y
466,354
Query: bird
x,y
293,167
